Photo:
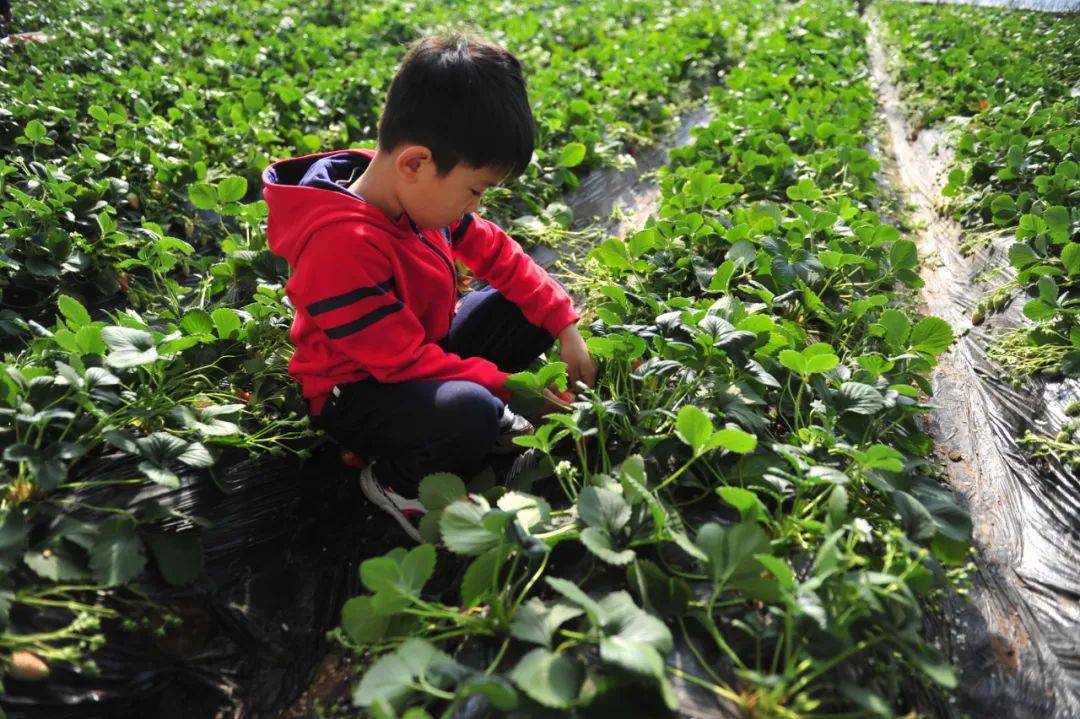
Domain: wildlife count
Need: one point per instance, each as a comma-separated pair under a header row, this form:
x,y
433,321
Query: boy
x,y
391,366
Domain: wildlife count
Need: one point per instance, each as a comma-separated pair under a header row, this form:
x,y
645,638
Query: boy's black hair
x,y
465,100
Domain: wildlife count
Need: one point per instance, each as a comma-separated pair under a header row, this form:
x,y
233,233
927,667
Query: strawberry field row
x,y
745,508
1007,81
112,143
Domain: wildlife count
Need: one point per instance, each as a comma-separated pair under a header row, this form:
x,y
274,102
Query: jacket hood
x,y
306,193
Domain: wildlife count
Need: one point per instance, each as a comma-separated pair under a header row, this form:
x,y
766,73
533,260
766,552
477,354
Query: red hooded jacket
x,y
374,295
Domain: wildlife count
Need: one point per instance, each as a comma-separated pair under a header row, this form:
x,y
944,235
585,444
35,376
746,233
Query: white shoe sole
x,y
392,503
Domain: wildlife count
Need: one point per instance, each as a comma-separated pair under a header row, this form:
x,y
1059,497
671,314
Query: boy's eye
x,y
477,194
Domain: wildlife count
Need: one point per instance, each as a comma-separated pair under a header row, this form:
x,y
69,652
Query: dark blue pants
x,y
419,427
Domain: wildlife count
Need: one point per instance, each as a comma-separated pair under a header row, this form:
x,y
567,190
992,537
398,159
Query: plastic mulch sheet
x,y
1018,640
282,544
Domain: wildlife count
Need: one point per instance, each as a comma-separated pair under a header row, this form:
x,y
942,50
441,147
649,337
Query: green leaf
x,y
897,326
390,679
35,131
130,347
804,190
203,196
904,255
572,154
179,555
553,680
197,321
621,617
232,189
361,622
603,509
794,361
1057,222
253,102
227,322
746,502
600,543
14,532
498,691
632,656
117,556
73,311
733,440
463,529
730,550
536,623
479,578
417,568
574,593
1070,257
693,427
62,562
932,335
917,521
879,456
1038,311
1021,255
440,489
860,398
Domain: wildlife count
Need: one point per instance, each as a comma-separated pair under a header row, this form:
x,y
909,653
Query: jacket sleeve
x,y
496,258
348,290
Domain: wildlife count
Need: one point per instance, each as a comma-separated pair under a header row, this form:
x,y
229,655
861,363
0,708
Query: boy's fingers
x,y
562,399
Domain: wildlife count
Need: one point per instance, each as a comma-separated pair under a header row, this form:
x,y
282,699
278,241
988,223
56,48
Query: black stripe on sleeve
x,y
348,298
350,328
463,227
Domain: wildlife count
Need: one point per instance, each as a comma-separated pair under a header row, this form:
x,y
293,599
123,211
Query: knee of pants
x,y
470,415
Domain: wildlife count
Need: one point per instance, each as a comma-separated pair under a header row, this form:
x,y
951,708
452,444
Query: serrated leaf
x,y
360,621
203,196
860,398
232,189
463,530
479,579
553,680
129,347
601,544
440,489
572,154
117,556
693,427
537,623
73,311
603,509
179,555
932,335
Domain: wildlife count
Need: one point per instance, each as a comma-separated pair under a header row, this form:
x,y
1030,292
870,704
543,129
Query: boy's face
x,y
434,201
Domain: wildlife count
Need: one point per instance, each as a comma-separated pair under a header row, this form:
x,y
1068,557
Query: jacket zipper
x,y
450,266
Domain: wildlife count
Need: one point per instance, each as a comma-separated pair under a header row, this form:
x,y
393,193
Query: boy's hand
x,y
579,364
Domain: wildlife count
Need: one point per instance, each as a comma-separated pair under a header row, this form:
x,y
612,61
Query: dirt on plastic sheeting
x,y
1017,643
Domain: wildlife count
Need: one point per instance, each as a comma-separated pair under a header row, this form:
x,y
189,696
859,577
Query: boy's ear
x,y
411,160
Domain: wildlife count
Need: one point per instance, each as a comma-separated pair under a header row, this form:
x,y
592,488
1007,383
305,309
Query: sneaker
x,y
511,425
521,476
403,510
